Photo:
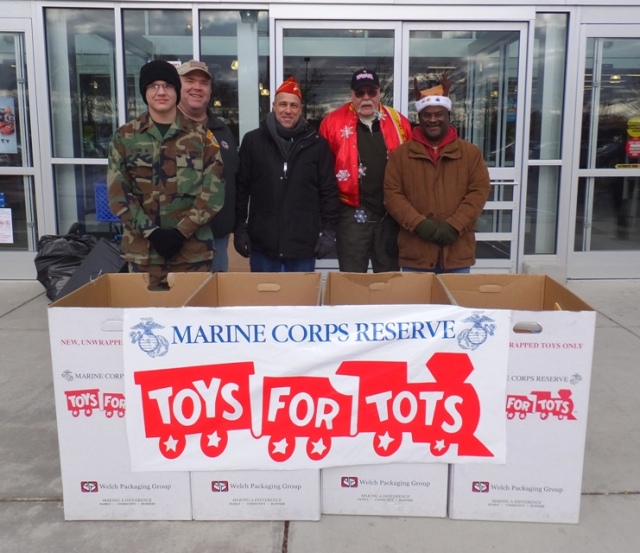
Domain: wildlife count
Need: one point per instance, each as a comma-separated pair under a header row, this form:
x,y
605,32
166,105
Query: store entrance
x,y
486,64
18,174
606,239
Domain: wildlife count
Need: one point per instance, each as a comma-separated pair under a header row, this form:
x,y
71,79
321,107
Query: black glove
x,y
167,242
241,242
426,229
445,234
326,241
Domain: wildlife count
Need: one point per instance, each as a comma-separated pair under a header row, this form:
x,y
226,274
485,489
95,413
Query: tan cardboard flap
x,y
383,289
247,289
506,291
131,290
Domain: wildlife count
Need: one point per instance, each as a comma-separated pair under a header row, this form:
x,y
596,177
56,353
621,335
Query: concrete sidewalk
x,y
31,514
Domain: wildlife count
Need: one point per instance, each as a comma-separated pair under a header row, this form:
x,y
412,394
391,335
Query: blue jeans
x,y
220,262
437,270
261,263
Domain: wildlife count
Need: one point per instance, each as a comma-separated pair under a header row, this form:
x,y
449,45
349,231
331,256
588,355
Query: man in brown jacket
x,y
436,186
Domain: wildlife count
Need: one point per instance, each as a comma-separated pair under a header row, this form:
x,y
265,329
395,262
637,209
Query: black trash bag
x,y
58,257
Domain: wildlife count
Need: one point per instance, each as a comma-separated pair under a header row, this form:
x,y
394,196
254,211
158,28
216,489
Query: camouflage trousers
x,y
158,273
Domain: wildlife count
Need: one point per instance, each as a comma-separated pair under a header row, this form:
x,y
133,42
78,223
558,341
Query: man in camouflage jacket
x,y
165,182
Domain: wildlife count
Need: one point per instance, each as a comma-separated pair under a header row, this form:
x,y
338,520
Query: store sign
x,y
633,142
237,388
8,141
6,226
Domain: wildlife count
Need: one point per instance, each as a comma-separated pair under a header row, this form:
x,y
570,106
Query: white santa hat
x,y
434,96
426,101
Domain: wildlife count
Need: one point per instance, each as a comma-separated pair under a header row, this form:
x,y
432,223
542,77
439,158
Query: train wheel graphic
x,y
318,447
387,443
171,446
214,442
439,447
281,448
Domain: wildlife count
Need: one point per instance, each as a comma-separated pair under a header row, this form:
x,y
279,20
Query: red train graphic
x,y
88,400
207,400
305,407
440,413
543,403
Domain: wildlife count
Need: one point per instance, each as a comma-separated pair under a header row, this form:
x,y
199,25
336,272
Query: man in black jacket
x,y
195,96
287,197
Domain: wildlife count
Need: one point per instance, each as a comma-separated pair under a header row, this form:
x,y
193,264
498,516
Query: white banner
x,y
243,388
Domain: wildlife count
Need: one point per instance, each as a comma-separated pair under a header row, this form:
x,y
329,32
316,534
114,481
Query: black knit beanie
x,y
159,70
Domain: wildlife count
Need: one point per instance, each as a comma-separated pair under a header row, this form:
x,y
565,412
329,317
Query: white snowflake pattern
x,y
362,170
346,131
382,115
343,175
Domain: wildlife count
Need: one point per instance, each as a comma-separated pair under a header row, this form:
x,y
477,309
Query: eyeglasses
x,y
155,87
371,92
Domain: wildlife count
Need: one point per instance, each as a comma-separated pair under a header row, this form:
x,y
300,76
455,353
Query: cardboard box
x,y
411,489
383,289
85,329
394,489
257,495
549,374
257,289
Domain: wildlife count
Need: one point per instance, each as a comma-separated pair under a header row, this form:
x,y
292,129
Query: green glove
x,y
445,234
426,229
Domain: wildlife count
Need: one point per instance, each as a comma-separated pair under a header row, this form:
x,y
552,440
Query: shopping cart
x,y
103,213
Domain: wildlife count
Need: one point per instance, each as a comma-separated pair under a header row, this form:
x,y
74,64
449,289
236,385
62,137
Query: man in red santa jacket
x,y
362,133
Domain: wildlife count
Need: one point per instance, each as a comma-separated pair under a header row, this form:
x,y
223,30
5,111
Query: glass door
x,y
606,199
322,56
18,230
486,63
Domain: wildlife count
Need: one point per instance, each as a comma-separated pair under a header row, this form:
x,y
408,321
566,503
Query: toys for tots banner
x,y
247,388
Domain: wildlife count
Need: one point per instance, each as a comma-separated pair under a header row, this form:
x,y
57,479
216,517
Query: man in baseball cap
x,y
364,77
197,88
361,134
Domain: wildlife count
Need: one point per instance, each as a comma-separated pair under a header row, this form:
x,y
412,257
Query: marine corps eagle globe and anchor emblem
x,y
152,344
474,337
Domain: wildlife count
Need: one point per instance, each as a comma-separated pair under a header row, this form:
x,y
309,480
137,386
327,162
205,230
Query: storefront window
x,y
608,207
545,137
323,61
541,217
153,35
483,69
611,111
231,42
17,204
82,81
547,93
608,214
14,105
75,190
16,213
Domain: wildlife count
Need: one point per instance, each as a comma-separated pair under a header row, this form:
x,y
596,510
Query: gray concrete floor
x,y
31,514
